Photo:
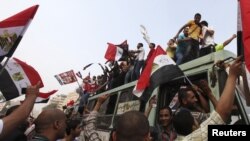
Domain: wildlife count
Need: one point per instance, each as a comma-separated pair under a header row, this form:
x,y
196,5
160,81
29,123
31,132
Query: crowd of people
x,y
52,124
196,41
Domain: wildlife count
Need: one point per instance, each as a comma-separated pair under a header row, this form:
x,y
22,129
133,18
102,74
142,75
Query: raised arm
x,y
99,102
203,101
150,105
179,31
12,121
207,91
225,103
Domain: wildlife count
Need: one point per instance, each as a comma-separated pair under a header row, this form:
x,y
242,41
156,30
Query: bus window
x,y
104,120
127,102
91,104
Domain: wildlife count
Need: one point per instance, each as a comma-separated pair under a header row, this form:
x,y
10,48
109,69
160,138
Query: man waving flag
x,y
159,69
12,30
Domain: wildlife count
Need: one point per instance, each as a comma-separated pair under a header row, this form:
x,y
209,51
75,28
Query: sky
x,y
69,34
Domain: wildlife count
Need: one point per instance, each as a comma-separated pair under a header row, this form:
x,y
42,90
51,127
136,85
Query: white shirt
x,y
208,39
141,54
1,126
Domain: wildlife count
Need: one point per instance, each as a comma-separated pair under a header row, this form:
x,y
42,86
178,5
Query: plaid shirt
x,y
201,133
90,127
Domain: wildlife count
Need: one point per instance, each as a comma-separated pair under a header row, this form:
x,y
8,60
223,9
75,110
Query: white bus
x,y
200,68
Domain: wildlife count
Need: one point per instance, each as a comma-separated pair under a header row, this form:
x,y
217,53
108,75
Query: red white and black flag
x,y
66,77
17,75
244,13
12,30
117,52
159,69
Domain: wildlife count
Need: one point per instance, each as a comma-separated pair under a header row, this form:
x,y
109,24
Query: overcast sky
x,y
69,34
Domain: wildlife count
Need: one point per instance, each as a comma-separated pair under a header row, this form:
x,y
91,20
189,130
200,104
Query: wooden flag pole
x,y
5,63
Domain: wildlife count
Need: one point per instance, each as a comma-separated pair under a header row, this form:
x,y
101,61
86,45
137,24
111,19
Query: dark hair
x,y
204,23
182,93
153,44
72,124
132,126
140,44
168,108
197,14
183,121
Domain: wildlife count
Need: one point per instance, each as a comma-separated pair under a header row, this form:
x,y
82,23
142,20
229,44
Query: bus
x,y
202,68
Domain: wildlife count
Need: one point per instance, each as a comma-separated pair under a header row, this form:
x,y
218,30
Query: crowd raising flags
x,y
12,30
18,75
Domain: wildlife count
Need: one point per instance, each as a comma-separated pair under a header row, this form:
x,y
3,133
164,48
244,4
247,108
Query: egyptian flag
x,y
245,18
66,77
12,30
113,53
117,52
17,75
159,69
44,97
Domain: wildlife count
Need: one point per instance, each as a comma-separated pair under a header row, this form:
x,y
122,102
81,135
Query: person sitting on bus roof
x,y
164,127
189,129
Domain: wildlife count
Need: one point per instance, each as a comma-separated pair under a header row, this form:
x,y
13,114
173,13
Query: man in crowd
x,y
50,125
12,121
189,129
132,126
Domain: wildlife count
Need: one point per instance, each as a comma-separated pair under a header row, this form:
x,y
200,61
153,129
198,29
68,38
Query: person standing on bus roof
x,y
194,33
139,60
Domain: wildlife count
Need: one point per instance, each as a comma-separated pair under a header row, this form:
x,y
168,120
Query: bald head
x,y
47,118
132,126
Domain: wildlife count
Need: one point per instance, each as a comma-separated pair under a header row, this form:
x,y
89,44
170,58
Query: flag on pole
x,y
159,69
66,77
12,30
85,67
117,52
44,97
240,48
17,75
244,13
113,52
